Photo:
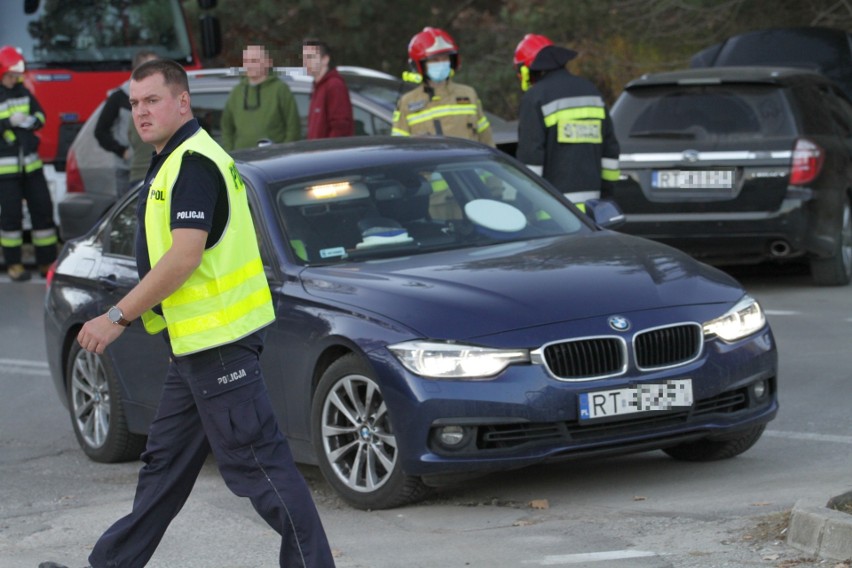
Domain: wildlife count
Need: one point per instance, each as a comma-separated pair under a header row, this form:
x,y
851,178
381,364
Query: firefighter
x,y
440,106
21,175
565,133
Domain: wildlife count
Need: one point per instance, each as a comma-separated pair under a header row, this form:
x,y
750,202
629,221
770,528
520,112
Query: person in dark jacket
x,y
330,112
261,107
114,130
21,174
565,133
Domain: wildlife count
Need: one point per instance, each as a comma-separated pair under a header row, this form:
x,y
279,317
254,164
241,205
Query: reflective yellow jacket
x,y
227,297
453,110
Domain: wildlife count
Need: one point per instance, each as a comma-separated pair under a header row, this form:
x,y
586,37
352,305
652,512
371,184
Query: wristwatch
x,y
116,316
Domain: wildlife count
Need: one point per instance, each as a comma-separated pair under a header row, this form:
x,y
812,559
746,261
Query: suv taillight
x,y
73,179
807,162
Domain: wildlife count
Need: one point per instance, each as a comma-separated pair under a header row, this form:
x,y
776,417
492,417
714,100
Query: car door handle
x,y
110,282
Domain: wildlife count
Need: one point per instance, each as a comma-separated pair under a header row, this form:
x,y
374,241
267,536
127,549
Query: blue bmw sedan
x,y
441,312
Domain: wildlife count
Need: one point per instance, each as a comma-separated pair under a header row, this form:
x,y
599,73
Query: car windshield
x,y
701,112
99,34
403,210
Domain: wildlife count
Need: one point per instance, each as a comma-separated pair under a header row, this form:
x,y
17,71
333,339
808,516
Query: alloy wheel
x,y
90,398
356,434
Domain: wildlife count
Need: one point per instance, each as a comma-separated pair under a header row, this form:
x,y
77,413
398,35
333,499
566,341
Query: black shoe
x,y
55,565
18,273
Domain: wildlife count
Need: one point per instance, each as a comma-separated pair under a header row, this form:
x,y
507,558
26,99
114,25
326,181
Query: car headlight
x,y
743,319
455,361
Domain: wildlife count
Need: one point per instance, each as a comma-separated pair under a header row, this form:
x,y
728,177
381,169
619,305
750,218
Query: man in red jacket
x,y
330,113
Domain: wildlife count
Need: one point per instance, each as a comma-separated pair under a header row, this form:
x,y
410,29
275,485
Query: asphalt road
x,y
643,510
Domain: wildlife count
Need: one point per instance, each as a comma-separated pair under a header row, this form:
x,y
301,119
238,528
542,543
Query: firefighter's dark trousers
x,y
14,190
216,400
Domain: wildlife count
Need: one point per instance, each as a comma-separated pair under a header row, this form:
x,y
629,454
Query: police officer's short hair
x,y
173,74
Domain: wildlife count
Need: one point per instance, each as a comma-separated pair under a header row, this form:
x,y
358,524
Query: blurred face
x,y
10,78
315,64
257,63
158,112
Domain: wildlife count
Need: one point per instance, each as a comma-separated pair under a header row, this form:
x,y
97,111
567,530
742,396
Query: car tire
x,y
97,414
837,269
354,440
709,449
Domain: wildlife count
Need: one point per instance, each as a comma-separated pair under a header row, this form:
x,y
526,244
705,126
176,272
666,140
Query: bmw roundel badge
x,y
619,323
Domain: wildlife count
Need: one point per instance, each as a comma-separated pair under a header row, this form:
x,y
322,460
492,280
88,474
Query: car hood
x,y
482,291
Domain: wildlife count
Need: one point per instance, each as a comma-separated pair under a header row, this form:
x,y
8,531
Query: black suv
x,y
739,165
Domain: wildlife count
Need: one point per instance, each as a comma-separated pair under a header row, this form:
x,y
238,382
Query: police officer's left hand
x,y
97,333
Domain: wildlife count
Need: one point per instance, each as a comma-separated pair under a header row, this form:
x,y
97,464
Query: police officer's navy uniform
x,y
565,128
214,397
447,109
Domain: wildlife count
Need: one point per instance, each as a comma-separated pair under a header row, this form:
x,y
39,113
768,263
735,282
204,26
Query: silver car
x,y
93,170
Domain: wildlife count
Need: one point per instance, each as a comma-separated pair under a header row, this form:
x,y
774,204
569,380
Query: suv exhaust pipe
x,y
779,249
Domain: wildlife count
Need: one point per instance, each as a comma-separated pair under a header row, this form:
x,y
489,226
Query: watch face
x,y
114,314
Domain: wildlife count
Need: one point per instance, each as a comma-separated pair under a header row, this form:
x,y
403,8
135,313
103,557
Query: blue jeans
x,y
217,400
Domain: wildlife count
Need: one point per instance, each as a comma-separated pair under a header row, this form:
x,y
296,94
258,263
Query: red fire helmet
x,y
10,60
432,41
529,47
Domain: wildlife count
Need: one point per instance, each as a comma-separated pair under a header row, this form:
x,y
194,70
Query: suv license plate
x,y
640,398
692,179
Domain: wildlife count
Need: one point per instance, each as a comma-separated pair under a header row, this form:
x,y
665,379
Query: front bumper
x,y
524,416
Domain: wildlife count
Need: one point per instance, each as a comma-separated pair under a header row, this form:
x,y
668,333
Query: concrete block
x,y
820,531
806,526
837,536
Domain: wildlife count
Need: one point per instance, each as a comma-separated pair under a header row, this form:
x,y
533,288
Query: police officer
x,y
200,268
21,174
440,106
565,133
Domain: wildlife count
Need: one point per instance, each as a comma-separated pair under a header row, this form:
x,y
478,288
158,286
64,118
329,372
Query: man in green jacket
x,y
261,106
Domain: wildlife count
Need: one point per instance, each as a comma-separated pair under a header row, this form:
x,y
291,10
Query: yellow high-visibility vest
x,y
227,297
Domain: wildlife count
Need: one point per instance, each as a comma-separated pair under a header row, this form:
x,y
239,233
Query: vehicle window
x,y
418,208
368,124
104,33
703,112
303,103
813,113
122,232
207,108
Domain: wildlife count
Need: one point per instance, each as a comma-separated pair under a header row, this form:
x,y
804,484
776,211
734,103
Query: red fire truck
x,y
76,51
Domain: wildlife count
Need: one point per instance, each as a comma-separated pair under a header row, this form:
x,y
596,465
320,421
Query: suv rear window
x,y
703,112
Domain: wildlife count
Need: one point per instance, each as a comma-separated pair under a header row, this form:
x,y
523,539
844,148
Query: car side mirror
x,y
604,213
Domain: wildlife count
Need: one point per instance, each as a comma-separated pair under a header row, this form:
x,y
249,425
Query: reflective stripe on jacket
x,y
452,110
227,297
564,126
19,145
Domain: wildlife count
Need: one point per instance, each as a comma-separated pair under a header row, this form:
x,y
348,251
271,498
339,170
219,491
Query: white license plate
x,y
640,398
692,179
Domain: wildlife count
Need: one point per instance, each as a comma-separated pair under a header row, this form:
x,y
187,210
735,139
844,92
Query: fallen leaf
x,y
761,504
539,504
639,498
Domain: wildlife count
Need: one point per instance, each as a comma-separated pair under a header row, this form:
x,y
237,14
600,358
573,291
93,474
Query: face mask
x,y
438,70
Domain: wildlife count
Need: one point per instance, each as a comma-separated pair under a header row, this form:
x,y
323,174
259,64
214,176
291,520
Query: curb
x,y
820,531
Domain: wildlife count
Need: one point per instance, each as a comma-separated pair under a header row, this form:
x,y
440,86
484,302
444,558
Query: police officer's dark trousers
x,y
32,188
216,400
